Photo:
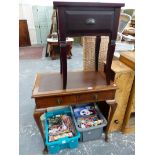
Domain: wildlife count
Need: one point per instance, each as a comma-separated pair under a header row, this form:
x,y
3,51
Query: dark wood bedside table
x,y
87,19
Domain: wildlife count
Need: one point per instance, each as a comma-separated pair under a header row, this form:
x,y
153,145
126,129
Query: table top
x,y
55,40
86,4
50,84
128,58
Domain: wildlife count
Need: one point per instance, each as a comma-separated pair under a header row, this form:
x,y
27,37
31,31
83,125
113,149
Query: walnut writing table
x,y
83,87
87,19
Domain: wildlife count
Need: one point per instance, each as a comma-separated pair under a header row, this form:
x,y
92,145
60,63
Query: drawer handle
x,y
116,121
59,101
95,96
90,21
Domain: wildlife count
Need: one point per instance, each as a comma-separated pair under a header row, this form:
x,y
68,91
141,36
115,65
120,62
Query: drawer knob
x,y
95,96
116,121
90,21
59,101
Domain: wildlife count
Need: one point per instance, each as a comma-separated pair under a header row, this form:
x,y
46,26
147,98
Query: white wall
x,y
37,2
21,15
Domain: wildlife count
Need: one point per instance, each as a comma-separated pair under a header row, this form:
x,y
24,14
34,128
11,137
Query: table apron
x,y
49,101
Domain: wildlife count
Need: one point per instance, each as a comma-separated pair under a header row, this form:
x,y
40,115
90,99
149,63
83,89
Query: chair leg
x,y
46,54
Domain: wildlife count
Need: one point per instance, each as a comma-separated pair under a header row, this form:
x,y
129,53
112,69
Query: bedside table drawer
x,y
89,21
44,102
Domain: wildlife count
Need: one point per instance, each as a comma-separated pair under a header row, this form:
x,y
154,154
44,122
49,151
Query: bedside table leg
x,y
97,49
113,106
37,114
110,53
60,61
63,53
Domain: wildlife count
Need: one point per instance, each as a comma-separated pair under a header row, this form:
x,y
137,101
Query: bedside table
x,y
87,19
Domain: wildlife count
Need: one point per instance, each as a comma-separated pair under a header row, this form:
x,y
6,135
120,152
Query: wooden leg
x,y
36,115
110,53
113,106
59,43
97,49
52,51
71,50
46,54
63,54
60,59
69,53
129,108
60,64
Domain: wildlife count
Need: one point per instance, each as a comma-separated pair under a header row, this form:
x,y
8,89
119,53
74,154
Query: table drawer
x,y
95,96
44,102
89,21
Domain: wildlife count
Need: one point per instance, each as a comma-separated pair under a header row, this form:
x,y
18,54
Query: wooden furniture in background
x,y
128,58
92,19
123,77
53,43
24,38
129,31
83,87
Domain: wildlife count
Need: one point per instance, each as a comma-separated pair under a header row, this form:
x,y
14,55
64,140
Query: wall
x,y
38,15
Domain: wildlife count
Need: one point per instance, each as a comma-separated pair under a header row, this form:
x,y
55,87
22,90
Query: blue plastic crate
x,y
62,143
